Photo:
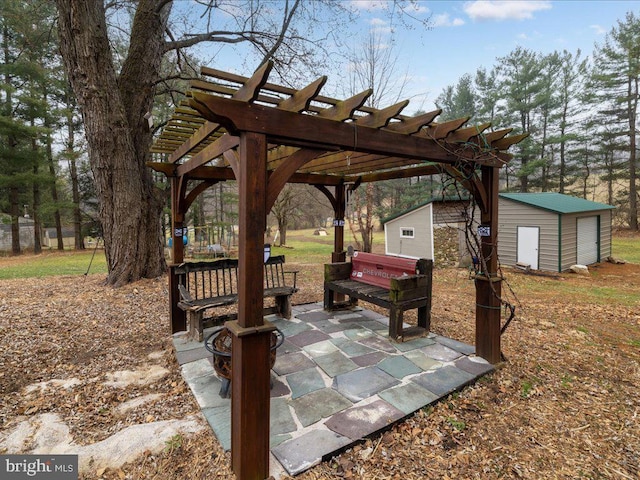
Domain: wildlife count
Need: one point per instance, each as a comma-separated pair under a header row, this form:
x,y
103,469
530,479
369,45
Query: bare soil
x,y
564,404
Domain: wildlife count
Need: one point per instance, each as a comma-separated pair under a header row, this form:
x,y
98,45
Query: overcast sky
x,y
467,35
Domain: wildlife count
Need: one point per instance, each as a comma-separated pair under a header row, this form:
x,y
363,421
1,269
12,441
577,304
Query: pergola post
x,y
251,336
488,282
338,254
178,317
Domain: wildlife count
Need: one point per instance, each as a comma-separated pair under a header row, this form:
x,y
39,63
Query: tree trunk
x,y
37,227
282,228
14,208
633,191
113,109
71,156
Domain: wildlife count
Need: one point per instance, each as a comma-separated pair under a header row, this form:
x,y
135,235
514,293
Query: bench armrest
x,y
185,296
295,276
337,271
410,287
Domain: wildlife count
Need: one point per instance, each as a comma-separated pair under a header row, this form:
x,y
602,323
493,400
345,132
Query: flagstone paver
x,y
398,366
408,398
318,405
302,453
358,422
292,362
308,337
363,383
335,363
444,380
440,352
305,381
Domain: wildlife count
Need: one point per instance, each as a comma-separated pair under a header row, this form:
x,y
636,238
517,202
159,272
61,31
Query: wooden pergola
x,y
265,136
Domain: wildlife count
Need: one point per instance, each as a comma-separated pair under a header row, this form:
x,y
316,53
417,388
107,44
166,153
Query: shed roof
x,y
439,199
556,202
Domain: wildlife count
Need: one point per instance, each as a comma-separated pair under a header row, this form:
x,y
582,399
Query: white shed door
x,y
528,244
587,240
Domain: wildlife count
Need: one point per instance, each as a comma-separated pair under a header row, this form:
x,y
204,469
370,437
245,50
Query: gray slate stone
x,y
302,453
304,382
359,422
292,362
399,366
444,380
363,383
318,405
335,363
408,398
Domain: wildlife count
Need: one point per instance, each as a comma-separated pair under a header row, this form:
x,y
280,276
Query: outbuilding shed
x,y
410,233
552,231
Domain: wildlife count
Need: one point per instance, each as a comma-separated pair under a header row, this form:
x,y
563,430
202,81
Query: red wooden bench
x,y
395,283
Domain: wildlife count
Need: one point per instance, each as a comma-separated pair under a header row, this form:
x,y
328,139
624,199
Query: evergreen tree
x,y
615,89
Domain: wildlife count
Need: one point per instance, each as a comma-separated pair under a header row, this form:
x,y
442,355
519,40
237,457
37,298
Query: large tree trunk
x,y
113,109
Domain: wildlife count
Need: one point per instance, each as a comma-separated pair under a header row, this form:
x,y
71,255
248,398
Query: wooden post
x,y
488,284
339,254
251,337
178,317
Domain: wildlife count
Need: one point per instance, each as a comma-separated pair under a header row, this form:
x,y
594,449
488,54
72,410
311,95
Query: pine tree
x,y
615,83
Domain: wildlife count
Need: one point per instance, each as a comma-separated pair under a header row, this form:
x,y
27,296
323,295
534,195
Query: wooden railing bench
x,y
395,283
203,286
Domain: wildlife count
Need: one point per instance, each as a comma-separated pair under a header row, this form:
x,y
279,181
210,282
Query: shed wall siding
x,y
513,215
418,247
570,240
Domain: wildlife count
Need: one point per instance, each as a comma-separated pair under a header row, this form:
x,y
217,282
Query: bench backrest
x,y
378,270
219,278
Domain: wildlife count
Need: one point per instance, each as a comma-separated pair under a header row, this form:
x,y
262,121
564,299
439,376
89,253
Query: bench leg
x,y
328,299
283,304
195,326
424,318
395,323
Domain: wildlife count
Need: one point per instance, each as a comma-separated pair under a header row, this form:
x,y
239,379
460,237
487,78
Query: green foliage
x,y
457,424
526,386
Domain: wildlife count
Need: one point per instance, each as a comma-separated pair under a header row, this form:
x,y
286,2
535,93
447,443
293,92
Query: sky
x,y
467,35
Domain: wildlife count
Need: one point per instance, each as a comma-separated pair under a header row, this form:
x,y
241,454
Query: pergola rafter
x,y
264,136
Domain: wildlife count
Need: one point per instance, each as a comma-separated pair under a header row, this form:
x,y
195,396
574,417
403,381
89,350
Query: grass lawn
x,y
69,262
302,247
626,248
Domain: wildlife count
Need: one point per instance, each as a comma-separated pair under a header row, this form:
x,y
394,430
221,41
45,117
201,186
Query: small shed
x,y
552,231
410,233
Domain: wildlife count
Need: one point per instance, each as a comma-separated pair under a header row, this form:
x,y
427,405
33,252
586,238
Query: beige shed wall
x,y
570,231
421,246
512,215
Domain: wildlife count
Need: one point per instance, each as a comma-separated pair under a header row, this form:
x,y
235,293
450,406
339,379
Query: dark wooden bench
x,y
398,284
206,285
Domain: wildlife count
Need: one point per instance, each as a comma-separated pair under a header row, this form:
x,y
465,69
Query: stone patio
x,y
337,379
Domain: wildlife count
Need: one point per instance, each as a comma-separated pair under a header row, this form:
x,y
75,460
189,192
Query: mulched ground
x,y
565,404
